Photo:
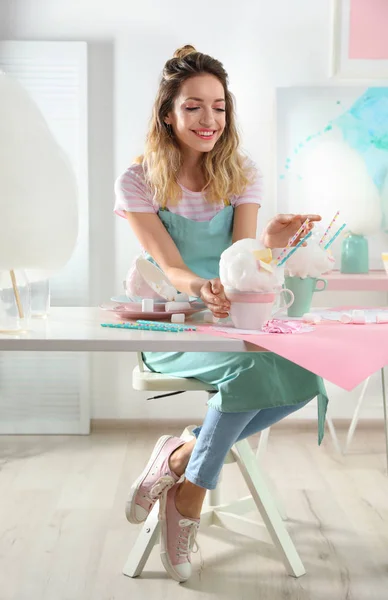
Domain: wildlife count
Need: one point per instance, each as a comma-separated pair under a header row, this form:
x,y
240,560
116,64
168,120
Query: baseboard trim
x,y
288,424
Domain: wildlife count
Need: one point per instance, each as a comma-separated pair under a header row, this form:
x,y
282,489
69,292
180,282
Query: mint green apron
x,y
245,380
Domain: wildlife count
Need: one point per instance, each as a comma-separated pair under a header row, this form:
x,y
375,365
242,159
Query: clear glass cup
x,y
40,298
15,301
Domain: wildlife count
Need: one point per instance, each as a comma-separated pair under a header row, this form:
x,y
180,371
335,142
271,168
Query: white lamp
x,y
38,191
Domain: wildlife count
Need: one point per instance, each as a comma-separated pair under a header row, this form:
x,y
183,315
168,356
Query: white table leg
x,y
333,434
356,416
385,413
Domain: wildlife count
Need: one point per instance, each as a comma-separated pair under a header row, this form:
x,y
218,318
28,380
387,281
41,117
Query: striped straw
x,y
165,325
292,240
330,226
167,328
329,243
295,248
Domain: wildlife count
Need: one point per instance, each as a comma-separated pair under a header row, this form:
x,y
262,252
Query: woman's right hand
x,y
213,295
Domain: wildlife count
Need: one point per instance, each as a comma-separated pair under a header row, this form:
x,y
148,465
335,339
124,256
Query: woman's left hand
x,y
282,227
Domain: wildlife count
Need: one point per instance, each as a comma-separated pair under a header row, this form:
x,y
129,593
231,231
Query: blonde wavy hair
x,y
227,172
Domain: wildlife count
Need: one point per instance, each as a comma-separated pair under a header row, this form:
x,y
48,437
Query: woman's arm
x,y
156,240
245,221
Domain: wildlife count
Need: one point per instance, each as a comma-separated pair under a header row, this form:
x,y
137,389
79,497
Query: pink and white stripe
x,y
133,195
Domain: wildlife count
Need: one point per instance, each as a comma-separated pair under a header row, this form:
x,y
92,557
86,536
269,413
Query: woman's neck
x,y
191,173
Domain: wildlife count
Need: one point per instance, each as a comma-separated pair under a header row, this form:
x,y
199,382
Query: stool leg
x,y
142,548
263,443
250,470
214,497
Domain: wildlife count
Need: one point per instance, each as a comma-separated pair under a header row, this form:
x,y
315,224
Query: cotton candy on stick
x,y
335,178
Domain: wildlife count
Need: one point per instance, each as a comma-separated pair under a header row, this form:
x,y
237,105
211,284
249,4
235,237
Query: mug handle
x,y
287,304
317,289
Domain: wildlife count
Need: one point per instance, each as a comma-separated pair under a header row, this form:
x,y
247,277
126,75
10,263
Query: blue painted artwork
x,y
364,126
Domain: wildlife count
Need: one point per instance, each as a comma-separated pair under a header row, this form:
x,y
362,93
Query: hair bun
x,y
184,51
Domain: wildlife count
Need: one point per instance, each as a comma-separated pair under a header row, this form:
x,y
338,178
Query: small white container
x,y
147,305
177,318
176,306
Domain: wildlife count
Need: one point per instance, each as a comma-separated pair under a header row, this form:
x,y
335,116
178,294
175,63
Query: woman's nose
x,y
207,117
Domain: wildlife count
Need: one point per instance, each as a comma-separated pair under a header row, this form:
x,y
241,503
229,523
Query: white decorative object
x,y
34,169
38,191
311,318
178,318
346,318
358,317
147,305
336,176
154,279
176,306
382,317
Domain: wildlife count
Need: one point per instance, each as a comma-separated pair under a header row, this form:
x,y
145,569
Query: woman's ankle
x,y
189,499
180,457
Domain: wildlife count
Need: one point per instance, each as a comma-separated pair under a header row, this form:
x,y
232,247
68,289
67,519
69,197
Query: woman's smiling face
x,y
198,116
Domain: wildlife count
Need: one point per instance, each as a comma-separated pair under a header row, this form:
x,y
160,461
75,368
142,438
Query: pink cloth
x,y
133,195
277,326
343,355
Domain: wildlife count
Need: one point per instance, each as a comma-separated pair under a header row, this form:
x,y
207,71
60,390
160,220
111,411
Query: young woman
x,y
187,199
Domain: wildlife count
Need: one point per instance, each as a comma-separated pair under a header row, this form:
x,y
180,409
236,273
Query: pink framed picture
x,y
359,39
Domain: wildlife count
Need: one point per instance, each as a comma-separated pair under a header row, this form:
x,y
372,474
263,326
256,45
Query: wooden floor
x,y
63,534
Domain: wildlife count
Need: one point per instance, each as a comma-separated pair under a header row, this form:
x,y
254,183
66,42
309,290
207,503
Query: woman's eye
x,y
220,109
191,108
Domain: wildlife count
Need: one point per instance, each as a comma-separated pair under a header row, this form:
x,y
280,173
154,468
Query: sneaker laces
x,y
160,488
188,536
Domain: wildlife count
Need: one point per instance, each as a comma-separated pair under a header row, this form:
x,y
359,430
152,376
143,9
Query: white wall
x,y
262,44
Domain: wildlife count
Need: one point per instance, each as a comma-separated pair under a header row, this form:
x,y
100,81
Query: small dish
x,y
121,310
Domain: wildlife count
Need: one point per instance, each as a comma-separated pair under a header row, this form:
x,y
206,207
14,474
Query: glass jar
x,y
15,301
354,254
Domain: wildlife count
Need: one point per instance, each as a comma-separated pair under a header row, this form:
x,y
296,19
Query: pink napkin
x,y
277,326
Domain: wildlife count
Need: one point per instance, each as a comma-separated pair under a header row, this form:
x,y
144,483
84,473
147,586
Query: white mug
x,y
250,310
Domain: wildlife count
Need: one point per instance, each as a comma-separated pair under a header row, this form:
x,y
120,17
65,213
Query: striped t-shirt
x,y
134,195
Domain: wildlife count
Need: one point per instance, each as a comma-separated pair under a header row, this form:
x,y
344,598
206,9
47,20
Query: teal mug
x,y
303,290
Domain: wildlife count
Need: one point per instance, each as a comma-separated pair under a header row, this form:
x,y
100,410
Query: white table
x,y
78,329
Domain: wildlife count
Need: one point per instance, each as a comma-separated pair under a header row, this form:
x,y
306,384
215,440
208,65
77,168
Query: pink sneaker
x,y
177,539
156,478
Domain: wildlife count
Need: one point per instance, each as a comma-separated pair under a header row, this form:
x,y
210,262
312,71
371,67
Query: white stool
x,y
229,516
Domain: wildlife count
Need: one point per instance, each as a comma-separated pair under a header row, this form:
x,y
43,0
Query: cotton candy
x,y
239,270
309,261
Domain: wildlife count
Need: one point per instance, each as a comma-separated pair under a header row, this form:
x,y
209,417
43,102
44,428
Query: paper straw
x,y
167,328
17,295
330,226
292,240
164,324
294,249
329,243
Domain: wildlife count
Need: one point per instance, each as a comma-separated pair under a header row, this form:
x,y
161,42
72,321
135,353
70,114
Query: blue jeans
x,y
220,431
